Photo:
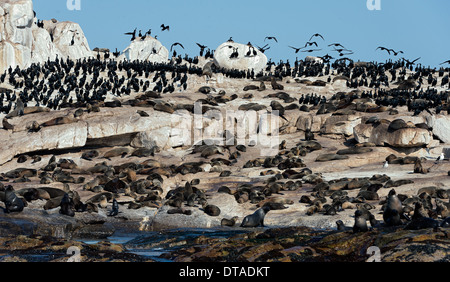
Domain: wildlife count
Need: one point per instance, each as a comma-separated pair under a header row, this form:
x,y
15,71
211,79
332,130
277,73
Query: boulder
x,y
312,122
22,42
149,49
340,124
43,47
401,138
440,125
16,37
313,59
224,59
116,126
63,33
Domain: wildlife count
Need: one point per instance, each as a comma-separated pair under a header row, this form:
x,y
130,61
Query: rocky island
x,y
330,156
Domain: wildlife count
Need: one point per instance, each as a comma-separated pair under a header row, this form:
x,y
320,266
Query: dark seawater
x,y
153,244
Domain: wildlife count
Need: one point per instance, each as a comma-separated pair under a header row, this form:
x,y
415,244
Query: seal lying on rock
x,y
256,219
228,222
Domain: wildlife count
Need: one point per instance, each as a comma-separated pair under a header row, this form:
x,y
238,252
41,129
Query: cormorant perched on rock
x,y
202,48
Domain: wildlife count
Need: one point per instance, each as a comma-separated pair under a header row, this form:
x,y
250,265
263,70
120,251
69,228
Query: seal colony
x,y
329,170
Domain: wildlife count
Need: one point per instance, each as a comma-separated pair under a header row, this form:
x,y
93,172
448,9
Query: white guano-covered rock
x,y
16,38
22,42
63,33
149,49
242,62
441,126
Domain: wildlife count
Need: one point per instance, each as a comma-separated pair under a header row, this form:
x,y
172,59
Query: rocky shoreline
x,y
95,146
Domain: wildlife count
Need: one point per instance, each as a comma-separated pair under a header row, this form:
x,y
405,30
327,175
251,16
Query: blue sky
x,y
419,28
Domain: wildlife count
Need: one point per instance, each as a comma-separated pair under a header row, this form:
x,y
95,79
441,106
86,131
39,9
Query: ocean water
x,y
153,244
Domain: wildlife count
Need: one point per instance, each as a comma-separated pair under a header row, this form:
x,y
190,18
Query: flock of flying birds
x,y
308,47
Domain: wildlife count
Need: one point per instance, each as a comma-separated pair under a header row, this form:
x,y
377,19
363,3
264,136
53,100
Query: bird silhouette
x,y
316,35
336,45
175,44
202,48
310,44
133,34
116,53
384,48
263,49
271,38
411,62
296,49
396,52
311,50
165,27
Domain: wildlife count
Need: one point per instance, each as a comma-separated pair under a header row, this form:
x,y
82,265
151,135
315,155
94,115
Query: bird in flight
x,y
263,49
165,27
336,45
384,49
296,49
316,35
396,53
271,38
133,34
175,44
390,50
411,62
311,50
446,62
310,44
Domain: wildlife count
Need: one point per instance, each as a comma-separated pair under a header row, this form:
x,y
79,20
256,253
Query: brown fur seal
x,y
418,168
360,222
145,152
392,210
116,152
12,202
275,85
256,219
211,210
67,206
228,222
89,155
58,121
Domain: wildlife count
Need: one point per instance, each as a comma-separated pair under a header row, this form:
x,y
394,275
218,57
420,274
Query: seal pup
x,y
309,136
115,208
392,210
341,226
256,219
66,206
228,222
360,222
211,210
275,85
12,202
